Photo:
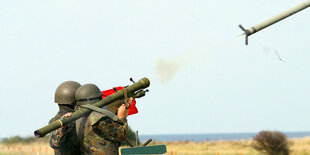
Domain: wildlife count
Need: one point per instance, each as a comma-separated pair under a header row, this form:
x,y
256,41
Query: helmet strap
x,y
90,99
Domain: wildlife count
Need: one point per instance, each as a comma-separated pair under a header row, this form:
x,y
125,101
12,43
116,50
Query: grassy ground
x,y
22,148
299,146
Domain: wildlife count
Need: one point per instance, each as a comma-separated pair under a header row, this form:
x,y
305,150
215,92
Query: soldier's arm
x,y
58,137
112,130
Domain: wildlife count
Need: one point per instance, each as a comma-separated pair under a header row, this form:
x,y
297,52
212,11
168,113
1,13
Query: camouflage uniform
x,y
98,134
63,140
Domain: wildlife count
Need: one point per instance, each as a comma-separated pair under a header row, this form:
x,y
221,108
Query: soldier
x,y
63,140
99,133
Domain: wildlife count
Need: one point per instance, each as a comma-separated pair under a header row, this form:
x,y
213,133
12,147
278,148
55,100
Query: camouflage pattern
x,y
63,140
98,134
133,90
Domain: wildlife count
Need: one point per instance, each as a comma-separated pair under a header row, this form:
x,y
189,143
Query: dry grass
x,y
300,146
211,148
31,148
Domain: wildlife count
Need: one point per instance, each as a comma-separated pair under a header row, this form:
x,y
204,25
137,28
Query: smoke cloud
x,y
167,69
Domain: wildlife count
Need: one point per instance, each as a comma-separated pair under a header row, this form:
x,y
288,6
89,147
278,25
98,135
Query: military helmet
x,y
65,92
87,94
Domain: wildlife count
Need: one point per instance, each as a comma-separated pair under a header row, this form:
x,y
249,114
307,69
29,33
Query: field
x,y
300,146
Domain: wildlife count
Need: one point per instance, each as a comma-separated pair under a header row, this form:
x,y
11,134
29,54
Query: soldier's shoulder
x,y
95,117
56,117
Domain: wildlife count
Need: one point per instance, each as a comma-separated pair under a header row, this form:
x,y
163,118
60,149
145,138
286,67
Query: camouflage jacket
x,y
63,140
98,134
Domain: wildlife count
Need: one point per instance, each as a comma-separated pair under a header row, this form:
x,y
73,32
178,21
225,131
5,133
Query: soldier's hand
x,y
66,115
121,112
130,100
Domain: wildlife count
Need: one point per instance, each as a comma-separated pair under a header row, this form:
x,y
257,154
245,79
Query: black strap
x,y
114,89
102,111
89,99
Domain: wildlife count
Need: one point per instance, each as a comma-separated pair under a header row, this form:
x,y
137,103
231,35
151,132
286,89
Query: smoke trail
x,y
167,69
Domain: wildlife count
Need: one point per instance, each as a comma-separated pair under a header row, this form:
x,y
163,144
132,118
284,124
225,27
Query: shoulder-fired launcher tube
x,y
274,19
131,92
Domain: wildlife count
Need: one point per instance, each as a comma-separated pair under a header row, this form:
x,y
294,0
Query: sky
x,y
204,79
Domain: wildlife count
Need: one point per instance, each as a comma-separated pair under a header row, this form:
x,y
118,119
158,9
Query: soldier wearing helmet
x,y
99,133
63,140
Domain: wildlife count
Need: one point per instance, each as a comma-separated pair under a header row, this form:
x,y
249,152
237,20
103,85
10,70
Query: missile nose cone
x,y
145,82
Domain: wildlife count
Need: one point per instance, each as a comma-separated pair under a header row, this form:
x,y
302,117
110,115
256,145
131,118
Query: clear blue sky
x,y
203,78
